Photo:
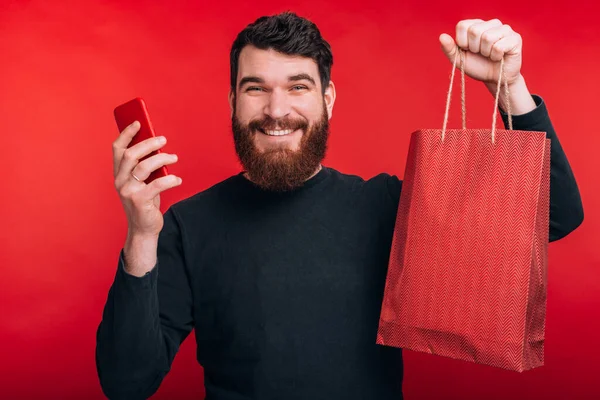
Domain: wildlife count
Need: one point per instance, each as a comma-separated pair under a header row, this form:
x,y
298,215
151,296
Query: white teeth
x,y
279,132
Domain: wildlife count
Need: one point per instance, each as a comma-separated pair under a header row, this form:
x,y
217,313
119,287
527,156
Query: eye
x,y
254,89
298,88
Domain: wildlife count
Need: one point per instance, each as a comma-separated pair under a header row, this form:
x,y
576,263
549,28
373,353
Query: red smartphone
x,y
136,110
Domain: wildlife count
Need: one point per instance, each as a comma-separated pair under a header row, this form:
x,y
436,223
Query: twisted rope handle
x,y
463,102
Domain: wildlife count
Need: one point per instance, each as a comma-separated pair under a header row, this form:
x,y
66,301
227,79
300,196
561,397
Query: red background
x,y
65,65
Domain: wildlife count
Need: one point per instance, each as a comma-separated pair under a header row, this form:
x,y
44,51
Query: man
x,y
280,269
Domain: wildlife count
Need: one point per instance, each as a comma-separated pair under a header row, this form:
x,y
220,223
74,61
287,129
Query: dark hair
x,y
288,34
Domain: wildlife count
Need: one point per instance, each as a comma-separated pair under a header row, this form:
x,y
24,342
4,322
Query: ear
x,y
231,102
329,98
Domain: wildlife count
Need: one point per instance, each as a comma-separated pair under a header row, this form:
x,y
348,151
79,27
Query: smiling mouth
x,y
277,132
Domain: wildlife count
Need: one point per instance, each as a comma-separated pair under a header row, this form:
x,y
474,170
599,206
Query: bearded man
x,y
280,269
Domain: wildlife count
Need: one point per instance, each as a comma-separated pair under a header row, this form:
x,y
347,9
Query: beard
x,y
281,169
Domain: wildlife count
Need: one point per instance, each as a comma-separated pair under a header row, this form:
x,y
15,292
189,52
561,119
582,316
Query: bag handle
x,y
464,108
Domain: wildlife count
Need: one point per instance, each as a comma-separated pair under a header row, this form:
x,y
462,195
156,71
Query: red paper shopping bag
x,y
467,270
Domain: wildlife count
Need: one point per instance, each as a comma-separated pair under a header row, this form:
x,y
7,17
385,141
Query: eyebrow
x,y
251,79
292,78
302,77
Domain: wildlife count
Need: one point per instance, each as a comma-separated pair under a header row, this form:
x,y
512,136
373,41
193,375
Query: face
x,y
280,117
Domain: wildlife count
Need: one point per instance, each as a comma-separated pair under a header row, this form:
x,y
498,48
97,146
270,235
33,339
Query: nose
x,y
278,105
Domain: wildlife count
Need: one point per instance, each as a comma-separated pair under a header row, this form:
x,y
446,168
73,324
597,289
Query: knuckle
x,y
158,184
141,173
115,148
125,192
166,181
141,168
462,24
146,166
128,155
496,53
131,129
473,31
461,28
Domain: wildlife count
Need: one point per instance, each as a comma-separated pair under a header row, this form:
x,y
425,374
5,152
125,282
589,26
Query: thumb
x,y
448,46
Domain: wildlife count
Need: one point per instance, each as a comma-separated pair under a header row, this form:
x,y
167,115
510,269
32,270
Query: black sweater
x,y
283,290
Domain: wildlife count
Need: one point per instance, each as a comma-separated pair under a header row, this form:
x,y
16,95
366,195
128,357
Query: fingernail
x,y
162,139
180,180
175,157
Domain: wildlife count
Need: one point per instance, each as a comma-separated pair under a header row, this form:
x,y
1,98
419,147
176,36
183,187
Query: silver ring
x,y
135,177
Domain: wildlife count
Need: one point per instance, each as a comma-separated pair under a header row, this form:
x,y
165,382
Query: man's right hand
x,y
141,201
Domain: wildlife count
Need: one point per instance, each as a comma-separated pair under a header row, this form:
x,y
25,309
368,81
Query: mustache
x,y
269,123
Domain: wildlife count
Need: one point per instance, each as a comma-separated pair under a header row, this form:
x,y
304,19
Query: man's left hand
x,y
485,43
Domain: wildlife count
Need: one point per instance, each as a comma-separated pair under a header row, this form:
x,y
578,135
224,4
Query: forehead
x,y
273,66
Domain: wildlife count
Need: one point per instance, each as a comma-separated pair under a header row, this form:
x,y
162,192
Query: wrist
x,y
137,237
140,254
519,97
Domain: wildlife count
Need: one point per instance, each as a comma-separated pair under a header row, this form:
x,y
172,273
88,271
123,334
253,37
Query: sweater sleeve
x,y
145,320
566,210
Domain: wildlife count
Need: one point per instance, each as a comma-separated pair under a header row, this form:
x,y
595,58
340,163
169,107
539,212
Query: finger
x,y
475,31
133,154
448,46
127,134
121,143
161,184
506,46
491,36
149,165
462,38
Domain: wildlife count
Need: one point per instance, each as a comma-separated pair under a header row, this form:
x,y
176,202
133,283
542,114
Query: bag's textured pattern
x,y
467,272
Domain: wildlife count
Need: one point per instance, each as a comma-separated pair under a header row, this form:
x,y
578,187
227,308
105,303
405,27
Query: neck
x,y
320,167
